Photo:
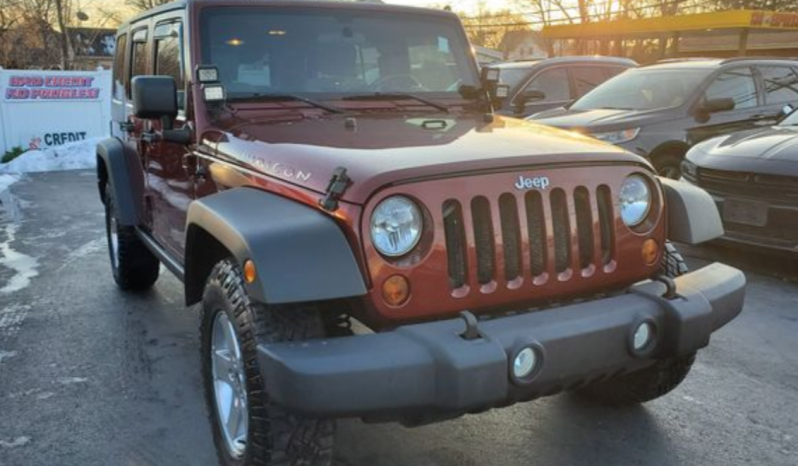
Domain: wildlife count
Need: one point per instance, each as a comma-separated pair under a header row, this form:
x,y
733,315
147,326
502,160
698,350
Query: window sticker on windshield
x,y
443,44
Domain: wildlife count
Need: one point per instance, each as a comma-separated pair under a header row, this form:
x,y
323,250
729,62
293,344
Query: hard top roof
x,y
375,5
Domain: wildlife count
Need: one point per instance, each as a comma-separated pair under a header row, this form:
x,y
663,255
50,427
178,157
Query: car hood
x,y
772,150
381,150
599,119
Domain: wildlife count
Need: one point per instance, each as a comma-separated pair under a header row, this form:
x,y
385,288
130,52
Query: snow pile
x,y
6,181
72,156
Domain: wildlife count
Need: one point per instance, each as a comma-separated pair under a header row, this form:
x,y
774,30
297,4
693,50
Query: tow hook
x,y
471,326
670,287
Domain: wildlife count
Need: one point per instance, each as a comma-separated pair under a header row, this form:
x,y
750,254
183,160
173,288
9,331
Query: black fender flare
x,y
119,166
300,253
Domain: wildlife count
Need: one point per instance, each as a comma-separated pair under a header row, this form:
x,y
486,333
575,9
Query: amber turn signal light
x,y
650,251
250,274
396,290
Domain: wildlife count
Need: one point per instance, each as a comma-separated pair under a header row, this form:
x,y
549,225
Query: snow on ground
x,y
7,180
72,156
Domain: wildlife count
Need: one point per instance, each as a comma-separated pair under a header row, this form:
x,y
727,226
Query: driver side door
x,y
738,84
556,89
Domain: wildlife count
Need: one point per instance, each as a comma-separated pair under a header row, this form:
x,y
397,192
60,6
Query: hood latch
x,y
338,184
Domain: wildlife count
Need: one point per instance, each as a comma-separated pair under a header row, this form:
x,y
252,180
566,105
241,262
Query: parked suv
x,y
538,85
660,111
366,238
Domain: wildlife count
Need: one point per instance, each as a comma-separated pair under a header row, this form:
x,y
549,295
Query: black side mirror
x,y
718,105
533,94
155,97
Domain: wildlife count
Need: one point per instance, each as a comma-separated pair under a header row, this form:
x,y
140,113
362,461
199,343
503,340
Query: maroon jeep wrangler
x,y
367,239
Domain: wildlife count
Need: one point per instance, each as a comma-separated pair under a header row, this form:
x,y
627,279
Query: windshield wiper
x,y
397,95
279,97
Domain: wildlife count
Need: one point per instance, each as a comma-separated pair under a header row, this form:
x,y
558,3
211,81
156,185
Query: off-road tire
x,y
653,381
135,267
669,164
673,264
275,436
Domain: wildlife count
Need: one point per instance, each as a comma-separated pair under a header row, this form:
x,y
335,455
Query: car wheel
x,y
135,268
248,428
654,381
669,165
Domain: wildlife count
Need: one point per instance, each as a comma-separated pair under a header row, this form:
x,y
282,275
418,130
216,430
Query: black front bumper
x,y
429,370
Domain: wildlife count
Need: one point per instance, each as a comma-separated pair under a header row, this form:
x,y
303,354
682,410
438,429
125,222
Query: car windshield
x,y
308,51
643,90
790,120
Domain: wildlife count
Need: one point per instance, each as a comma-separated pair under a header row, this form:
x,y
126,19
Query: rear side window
x,y
119,67
553,83
738,85
139,55
168,55
612,71
586,78
781,84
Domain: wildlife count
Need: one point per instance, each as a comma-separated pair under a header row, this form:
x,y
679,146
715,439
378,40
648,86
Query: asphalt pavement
x,y
92,376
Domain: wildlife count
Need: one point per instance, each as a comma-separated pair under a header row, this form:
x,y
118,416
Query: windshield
x,y
790,120
261,51
643,90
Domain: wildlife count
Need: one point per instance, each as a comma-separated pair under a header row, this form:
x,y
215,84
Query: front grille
x,y
769,187
533,234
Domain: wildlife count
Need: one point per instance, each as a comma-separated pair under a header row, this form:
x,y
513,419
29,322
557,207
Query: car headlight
x,y
396,226
635,200
617,137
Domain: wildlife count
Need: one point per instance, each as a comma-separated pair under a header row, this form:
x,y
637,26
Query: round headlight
x,y
396,226
635,200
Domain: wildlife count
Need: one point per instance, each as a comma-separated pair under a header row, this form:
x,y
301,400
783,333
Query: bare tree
x,y
143,5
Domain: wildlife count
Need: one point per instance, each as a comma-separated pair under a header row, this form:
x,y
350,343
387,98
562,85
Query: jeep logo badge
x,y
536,182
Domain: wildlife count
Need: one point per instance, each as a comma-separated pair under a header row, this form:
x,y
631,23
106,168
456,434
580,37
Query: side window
x,y
553,83
586,78
612,71
169,57
138,57
781,84
736,84
119,67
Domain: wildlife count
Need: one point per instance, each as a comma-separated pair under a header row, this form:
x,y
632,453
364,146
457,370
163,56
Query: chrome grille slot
x,y
536,222
454,231
484,239
606,216
511,236
562,227
584,226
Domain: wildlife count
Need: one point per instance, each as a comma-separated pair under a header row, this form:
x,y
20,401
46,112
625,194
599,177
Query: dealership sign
x,y
51,88
50,108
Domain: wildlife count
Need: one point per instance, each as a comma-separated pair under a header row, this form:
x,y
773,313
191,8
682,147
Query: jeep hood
x,y
772,150
599,119
379,151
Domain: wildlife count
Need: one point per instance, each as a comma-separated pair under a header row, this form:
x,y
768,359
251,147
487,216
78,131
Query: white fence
x,y
48,108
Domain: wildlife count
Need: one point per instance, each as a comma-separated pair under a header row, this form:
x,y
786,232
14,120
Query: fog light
x,y
643,336
525,363
396,290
